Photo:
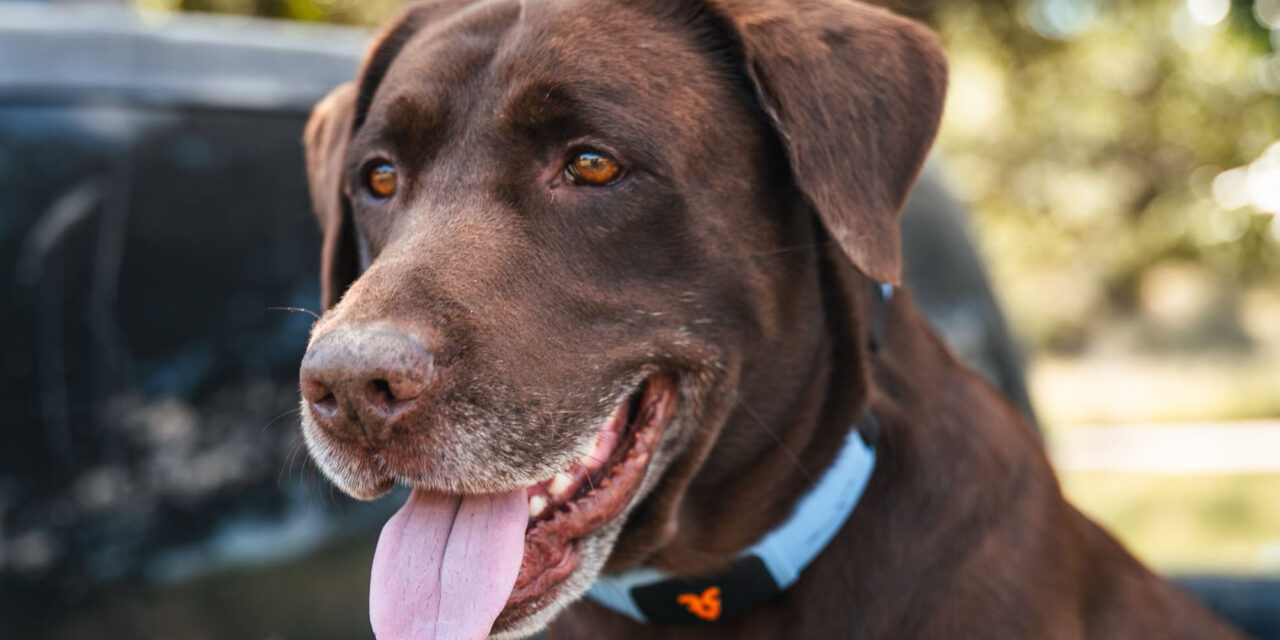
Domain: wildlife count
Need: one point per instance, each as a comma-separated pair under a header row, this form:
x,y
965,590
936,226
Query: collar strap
x,y
774,563
762,571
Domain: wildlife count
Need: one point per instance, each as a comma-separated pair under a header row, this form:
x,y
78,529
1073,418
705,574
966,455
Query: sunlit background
x,y
1120,161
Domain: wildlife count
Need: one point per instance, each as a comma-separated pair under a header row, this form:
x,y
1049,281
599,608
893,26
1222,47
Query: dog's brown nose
x,y
357,380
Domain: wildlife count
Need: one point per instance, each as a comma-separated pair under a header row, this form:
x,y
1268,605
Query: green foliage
x,y
360,12
1089,146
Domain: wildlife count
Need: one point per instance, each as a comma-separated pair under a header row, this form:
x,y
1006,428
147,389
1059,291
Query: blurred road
x,y
1251,446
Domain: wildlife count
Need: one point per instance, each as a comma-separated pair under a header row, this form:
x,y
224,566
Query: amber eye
x,y
593,168
381,180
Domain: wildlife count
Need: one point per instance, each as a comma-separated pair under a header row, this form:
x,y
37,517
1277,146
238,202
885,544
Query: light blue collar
x,y
761,572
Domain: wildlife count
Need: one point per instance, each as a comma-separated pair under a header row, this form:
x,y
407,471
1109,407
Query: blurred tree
x,y
1092,139
358,12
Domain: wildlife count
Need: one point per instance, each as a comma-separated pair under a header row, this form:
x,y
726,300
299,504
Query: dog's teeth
x,y
617,421
560,485
600,452
537,504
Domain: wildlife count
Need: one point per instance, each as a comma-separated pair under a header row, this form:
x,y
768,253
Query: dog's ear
x,y
855,93
325,142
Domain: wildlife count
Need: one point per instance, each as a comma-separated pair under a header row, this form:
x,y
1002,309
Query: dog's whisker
x,y
312,500
277,418
781,445
287,463
595,459
296,310
313,489
799,247
330,502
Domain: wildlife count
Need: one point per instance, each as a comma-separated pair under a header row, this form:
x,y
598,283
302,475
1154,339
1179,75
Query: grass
x,y
1187,524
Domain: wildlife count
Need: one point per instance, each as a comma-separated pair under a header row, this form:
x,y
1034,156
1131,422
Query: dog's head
x,y
565,240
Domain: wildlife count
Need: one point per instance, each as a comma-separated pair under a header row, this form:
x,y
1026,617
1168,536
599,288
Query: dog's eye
x,y
592,168
381,180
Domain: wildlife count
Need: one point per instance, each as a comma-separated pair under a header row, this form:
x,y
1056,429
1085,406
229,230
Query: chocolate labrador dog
x,y
609,284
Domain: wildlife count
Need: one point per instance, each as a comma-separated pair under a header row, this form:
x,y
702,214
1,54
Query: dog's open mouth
x,y
445,563
591,492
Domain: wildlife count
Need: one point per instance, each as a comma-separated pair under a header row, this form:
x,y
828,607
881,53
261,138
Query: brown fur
x,y
769,146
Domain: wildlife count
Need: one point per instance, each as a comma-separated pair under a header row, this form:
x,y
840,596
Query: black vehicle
x,y
160,259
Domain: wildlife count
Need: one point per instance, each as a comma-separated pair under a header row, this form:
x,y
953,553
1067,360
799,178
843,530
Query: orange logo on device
x,y
705,606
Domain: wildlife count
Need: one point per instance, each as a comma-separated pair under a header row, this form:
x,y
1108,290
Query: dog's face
x,y
563,238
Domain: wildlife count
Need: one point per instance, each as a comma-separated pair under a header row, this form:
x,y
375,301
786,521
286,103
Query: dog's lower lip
x,y
550,543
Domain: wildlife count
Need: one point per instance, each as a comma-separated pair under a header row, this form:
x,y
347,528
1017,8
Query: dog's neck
x,y
773,564
929,444
787,429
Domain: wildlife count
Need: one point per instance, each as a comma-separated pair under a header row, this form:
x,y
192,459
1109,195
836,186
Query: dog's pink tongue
x,y
445,565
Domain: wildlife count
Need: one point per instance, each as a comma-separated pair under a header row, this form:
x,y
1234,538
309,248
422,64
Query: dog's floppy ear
x,y
856,94
325,142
